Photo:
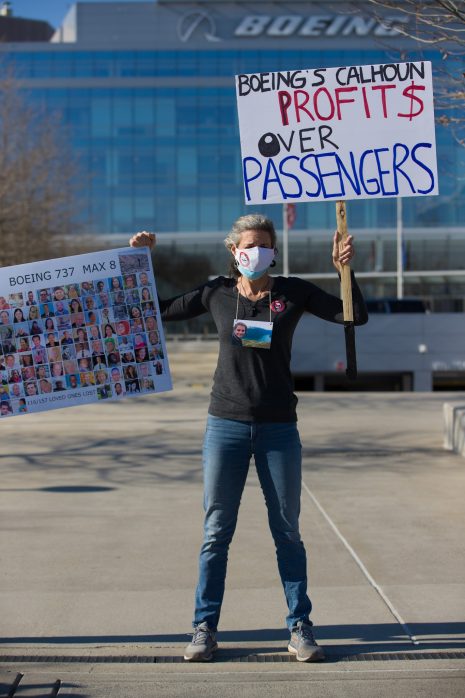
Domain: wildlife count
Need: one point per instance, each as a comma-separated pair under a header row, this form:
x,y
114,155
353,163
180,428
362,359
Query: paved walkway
x,y
101,524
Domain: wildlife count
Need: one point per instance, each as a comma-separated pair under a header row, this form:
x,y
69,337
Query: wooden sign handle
x,y
346,282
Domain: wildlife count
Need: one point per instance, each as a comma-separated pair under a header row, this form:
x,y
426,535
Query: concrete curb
x,y
454,427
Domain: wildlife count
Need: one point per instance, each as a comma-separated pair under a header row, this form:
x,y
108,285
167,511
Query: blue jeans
x,y
228,447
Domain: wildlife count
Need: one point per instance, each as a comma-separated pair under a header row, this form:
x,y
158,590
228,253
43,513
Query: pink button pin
x,y
277,306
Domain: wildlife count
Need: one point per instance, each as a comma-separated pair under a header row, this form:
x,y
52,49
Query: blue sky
x,y
52,11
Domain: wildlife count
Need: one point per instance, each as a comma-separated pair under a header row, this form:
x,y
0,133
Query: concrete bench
x,y
454,427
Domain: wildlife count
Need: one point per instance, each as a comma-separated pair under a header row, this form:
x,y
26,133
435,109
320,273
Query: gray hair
x,y
253,221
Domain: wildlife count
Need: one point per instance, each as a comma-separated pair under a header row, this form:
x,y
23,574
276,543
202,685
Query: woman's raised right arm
x,y
183,307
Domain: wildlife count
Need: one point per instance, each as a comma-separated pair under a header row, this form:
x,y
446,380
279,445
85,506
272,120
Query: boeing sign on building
x,y
231,23
289,25
317,25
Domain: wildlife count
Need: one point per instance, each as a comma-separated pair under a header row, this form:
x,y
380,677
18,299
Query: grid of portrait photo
x,y
99,336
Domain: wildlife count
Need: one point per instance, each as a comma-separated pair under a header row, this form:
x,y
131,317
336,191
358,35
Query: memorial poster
x,y
78,330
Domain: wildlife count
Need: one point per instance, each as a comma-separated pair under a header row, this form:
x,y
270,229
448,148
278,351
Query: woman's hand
x,y
143,239
342,251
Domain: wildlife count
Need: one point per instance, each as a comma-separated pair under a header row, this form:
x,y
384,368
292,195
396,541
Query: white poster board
x,y
355,132
80,329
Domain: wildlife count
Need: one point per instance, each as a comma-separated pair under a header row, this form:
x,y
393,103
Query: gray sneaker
x,y
202,646
304,645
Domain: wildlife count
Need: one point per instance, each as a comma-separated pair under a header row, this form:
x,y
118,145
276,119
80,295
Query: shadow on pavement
x,y
61,489
149,461
354,638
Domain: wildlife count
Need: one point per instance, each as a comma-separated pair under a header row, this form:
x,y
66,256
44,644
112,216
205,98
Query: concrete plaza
x,y
101,522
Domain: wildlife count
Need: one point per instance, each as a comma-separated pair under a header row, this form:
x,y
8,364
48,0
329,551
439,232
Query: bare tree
x,y
437,25
36,180
431,22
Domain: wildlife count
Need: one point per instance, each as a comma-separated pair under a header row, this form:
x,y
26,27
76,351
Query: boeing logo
x,y
188,24
276,26
317,25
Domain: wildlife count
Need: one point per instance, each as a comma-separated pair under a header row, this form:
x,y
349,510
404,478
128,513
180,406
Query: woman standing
x,y
253,411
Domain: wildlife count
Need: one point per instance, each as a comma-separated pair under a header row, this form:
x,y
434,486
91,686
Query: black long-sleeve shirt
x,y
253,384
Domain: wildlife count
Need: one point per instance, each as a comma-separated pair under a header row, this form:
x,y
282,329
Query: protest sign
x,y
80,329
355,132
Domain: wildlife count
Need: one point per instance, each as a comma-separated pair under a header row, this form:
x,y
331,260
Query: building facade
x,y
147,90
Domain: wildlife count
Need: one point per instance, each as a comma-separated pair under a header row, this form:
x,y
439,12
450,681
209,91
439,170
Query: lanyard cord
x,y
237,304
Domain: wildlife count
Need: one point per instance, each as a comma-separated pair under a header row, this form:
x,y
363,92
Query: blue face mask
x,y
251,274
254,261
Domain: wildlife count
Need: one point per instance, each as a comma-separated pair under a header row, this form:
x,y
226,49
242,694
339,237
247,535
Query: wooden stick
x,y
346,282
346,287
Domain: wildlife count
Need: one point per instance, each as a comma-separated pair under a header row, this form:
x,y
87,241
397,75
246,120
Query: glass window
x,y
122,112
145,63
77,113
208,213
226,63
186,165
101,64
101,115
187,213
165,167
231,206
42,65
165,116
166,208
63,64
206,63
187,63
166,63
111,167
144,111
144,166
144,209
56,99
125,63
122,213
